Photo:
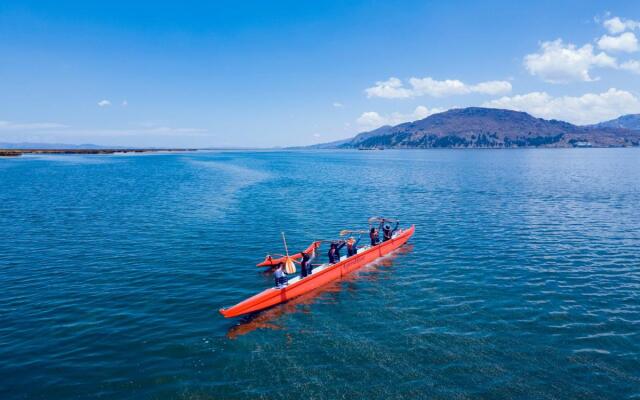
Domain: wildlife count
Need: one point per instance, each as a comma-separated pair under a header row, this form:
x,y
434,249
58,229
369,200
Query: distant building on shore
x,y
582,144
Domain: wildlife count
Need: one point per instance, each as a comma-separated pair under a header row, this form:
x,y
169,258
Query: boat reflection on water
x,y
270,318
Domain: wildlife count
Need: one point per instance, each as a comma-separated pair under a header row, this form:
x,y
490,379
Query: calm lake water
x,y
522,280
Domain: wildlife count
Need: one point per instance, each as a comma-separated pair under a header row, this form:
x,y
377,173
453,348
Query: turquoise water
x,y
522,280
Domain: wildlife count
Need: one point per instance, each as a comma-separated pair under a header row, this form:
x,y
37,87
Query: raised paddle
x,y
376,220
289,266
348,231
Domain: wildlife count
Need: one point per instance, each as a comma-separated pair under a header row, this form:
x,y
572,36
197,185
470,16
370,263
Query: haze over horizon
x,y
263,74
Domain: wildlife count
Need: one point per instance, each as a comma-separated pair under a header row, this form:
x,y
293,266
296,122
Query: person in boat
x,y
387,232
334,251
374,236
352,246
280,276
305,265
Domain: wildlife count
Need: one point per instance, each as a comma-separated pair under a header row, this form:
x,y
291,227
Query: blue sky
x,y
267,73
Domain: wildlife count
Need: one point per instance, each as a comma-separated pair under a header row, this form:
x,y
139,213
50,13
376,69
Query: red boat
x,y
320,276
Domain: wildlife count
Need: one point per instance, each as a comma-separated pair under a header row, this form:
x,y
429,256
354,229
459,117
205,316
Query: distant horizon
x,y
33,145
278,74
90,146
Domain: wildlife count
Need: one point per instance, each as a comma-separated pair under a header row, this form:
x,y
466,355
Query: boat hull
x,y
273,296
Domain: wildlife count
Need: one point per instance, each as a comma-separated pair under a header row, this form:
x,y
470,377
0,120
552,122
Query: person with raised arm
x,y
305,265
352,246
387,232
334,251
374,236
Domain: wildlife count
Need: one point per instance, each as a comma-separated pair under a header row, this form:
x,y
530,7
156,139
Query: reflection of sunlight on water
x,y
220,189
153,153
249,176
327,294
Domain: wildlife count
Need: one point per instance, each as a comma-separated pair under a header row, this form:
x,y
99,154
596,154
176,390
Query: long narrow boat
x,y
320,276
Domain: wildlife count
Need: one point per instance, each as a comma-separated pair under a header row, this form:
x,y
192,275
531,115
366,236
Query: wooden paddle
x,y
377,220
289,266
348,231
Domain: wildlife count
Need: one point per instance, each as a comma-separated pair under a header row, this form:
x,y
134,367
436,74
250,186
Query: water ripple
x,y
522,280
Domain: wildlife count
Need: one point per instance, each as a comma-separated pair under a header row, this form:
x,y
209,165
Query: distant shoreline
x,y
19,152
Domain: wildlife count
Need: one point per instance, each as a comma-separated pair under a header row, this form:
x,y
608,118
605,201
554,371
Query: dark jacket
x,y
375,238
353,249
334,252
305,265
388,232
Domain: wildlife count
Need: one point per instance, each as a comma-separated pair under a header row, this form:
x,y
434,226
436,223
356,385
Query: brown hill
x,y
477,127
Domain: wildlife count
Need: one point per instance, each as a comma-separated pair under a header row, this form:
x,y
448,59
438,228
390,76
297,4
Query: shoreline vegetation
x,y
19,152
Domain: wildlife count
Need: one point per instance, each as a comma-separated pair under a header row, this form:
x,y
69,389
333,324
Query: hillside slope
x,y
630,121
477,127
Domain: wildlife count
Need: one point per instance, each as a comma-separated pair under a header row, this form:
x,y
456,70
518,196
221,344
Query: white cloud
x,y
626,42
64,130
557,62
586,109
617,25
158,131
393,88
632,66
371,119
389,89
150,135
104,103
158,127
124,103
337,104
431,87
492,87
8,125
422,112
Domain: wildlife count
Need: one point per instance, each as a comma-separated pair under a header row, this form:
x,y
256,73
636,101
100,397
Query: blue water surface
x,y
522,280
